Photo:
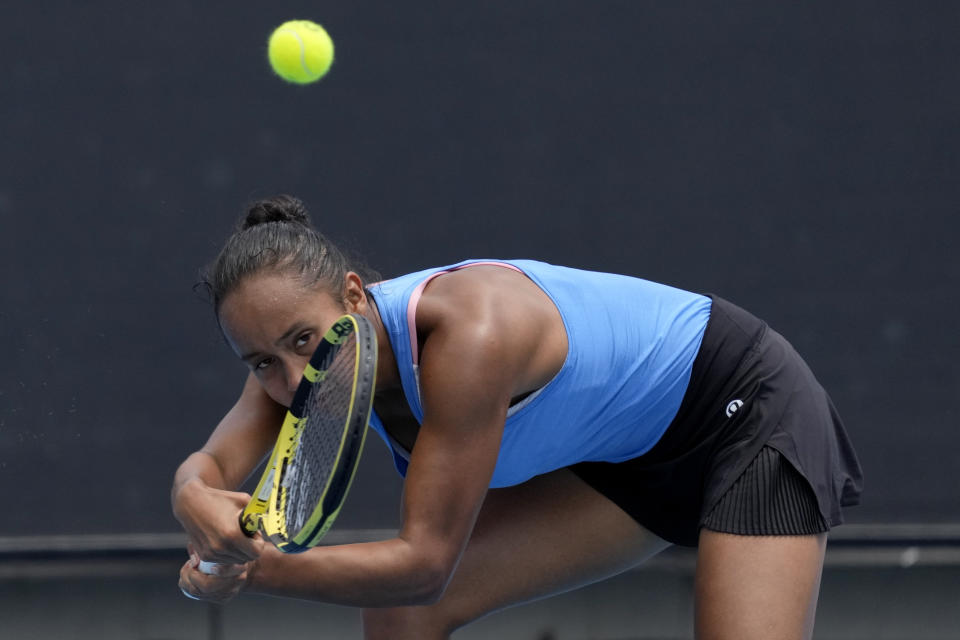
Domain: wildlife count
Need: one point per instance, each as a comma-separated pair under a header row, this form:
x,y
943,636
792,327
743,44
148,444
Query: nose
x,y
294,373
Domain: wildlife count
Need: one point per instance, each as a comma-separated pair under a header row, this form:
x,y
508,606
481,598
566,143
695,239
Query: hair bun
x,y
282,208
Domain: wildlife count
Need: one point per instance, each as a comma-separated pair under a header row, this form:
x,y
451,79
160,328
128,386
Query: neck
x,y
388,375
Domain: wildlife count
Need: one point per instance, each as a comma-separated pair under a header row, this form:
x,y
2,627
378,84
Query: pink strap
x,y
415,300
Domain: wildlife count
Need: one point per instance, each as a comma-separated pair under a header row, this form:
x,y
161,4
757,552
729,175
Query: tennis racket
x,y
315,457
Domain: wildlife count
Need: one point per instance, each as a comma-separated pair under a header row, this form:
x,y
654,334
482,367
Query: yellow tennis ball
x,y
300,51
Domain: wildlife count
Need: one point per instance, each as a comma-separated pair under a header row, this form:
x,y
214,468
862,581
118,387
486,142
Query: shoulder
x,y
496,318
478,295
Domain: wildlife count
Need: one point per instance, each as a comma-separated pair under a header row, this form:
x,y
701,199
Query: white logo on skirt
x,y
733,407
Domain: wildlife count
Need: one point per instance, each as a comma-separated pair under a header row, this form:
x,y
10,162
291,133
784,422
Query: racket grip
x,y
207,567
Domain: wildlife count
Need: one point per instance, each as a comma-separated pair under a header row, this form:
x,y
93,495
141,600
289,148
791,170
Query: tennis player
x,y
554,427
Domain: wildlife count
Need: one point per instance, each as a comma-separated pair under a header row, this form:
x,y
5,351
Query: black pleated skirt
x,y
770,498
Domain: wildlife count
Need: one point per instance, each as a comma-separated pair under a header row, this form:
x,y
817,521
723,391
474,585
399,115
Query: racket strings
x,y
326,411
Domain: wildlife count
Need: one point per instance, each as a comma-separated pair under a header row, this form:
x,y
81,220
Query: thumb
x,y
258,543
251,547
240,499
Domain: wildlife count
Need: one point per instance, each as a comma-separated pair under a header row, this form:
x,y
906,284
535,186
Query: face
x,y
273,322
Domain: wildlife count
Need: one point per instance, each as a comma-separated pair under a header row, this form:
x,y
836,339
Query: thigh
x,y
757,587
546,536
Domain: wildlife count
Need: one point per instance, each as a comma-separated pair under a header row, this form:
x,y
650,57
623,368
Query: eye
x,y
303,340
263,364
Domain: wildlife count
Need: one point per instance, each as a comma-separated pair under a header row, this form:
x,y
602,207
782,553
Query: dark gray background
x,y
797,158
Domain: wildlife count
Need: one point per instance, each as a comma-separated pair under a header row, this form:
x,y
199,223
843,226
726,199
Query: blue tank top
x,y
631,347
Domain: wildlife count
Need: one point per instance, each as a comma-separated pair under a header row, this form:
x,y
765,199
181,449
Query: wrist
x,y
258,571
184,489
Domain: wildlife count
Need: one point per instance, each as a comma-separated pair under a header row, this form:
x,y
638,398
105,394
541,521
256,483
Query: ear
x,y
354,297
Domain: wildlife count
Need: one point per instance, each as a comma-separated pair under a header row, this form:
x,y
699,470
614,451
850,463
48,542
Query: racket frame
x,y
267,508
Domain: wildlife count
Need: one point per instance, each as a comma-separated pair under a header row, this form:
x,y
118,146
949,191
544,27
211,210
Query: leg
x,y
549,535
757,587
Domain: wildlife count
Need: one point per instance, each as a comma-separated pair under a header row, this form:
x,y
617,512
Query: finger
x,y
257,543
216,588
185,587
212,588
234,547
248,547
241,499
185,591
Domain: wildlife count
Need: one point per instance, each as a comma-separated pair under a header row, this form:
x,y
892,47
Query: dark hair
x,y
276,234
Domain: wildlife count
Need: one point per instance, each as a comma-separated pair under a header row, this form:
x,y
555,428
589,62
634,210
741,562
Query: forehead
x,y
264,306
266,291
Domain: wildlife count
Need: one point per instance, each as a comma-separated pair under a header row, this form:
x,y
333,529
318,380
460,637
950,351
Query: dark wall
x,y
798,158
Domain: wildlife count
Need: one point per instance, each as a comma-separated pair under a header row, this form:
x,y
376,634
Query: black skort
x,y
749,392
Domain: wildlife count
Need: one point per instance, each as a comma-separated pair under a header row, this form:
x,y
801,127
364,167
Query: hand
x,y
211,518
222,585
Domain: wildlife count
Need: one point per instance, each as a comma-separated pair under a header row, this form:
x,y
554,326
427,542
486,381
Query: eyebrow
x,y
297,326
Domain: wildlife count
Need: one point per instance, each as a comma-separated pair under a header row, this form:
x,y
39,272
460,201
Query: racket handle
x,y
249,522
207,567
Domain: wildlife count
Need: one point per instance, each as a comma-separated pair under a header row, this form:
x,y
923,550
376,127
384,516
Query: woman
x,y
554,427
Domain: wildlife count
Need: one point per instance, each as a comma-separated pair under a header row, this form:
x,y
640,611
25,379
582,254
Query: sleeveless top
x,y
631,347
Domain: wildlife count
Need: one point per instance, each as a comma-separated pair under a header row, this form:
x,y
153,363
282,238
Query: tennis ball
x,y
300,51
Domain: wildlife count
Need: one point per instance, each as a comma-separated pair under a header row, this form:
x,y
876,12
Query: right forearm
x,y
204,494
198,466
209,511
